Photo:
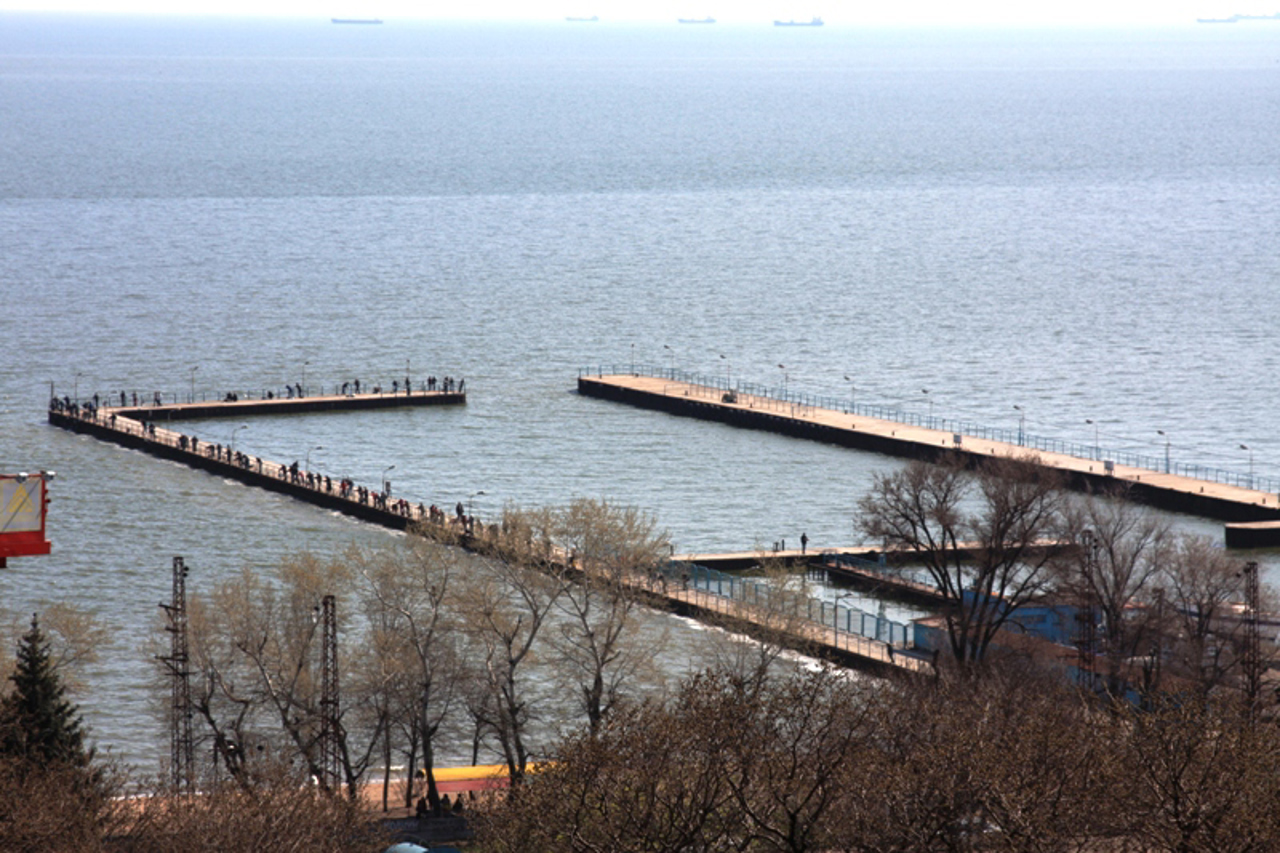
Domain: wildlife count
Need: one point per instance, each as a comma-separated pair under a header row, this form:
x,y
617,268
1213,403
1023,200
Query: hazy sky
x,y
835,12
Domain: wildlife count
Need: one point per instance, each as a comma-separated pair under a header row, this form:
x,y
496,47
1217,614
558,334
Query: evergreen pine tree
x,y
37,721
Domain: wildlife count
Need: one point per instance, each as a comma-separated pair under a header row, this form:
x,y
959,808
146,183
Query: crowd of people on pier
x,y
291,391
459,521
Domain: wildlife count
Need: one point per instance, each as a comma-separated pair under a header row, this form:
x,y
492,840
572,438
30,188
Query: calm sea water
x,y
1080,223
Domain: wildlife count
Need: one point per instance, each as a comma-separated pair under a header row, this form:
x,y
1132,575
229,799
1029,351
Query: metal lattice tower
x,y
1252,659
330,750
1088,620
182,755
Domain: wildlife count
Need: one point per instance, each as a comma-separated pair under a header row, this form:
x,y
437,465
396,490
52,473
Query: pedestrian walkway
x,y
1172,491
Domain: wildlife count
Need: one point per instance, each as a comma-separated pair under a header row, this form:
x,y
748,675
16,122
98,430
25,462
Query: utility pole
x,y
182,754
1088,621
330,748
1252,647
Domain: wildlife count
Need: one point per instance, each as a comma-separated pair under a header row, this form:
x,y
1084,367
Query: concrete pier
x,y
1166,491
114,425
166,443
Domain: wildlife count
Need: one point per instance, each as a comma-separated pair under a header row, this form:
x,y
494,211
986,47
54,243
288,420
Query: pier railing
x,y
832,618
799,403
131,398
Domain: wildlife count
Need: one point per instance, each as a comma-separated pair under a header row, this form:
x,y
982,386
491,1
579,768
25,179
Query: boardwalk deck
x,y
1168,491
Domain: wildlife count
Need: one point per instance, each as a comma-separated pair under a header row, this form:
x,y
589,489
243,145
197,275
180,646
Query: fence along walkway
x,y
805,622
756,407
812,620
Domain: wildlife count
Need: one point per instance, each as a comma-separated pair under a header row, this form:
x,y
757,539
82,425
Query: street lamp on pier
x,y
785,377
925,392
1167,466
728,370
852,388
471,500
233,434
671,360
75,387
1250,450
304,376
306,464
1022,425
386,485
1097,454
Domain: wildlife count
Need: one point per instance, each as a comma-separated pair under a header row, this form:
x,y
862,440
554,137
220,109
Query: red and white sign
x,y
23,503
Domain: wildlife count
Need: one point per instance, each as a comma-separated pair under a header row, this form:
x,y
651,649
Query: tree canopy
x,y
37,720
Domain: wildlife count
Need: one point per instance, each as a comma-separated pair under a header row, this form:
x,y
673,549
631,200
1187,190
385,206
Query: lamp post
x,y
671,360
386,486
783,368
233,434
925,392
75,387
470,500
728,370
1167,466
849,379
1022,425
306,465
1250,449
193,382
1097,454
304,376
633,359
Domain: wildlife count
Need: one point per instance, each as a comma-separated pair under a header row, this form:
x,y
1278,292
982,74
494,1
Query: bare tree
x,y
74,637
1199,777
614,550
1117,565
1003,514
256,645
504,608
280,813
407,591
1205,629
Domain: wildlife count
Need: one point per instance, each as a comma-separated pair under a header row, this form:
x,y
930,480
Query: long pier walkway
x,y
853,638
1228,501
135,427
